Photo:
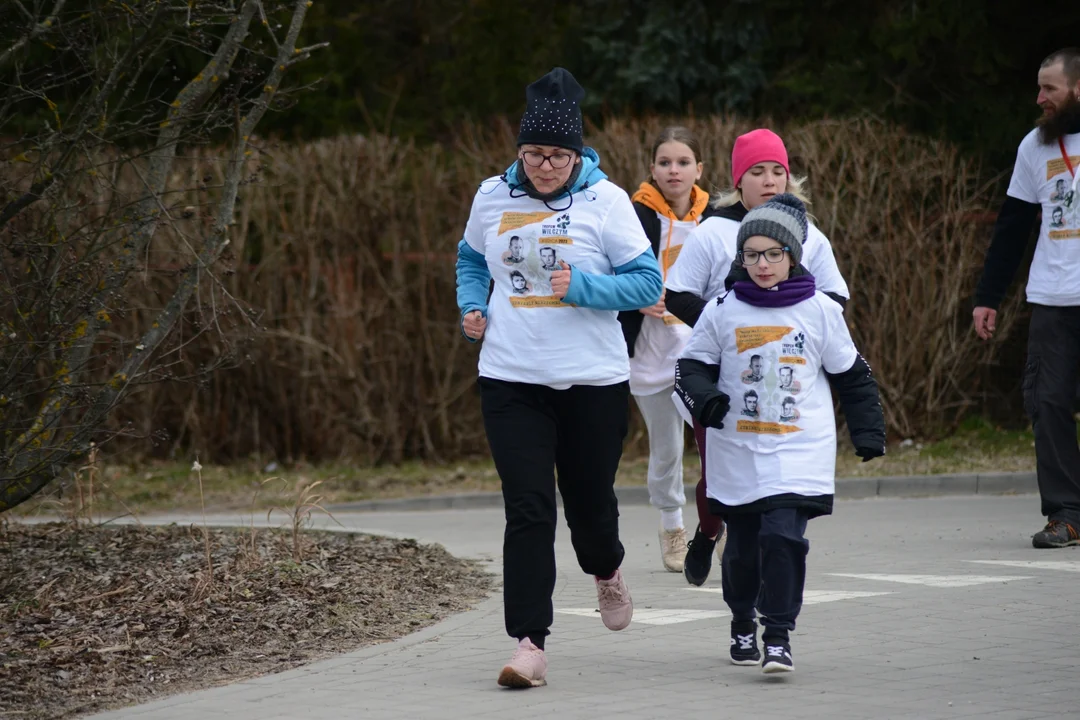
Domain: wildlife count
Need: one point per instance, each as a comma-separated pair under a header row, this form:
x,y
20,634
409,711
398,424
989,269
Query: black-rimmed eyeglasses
x,y
558,160
749,258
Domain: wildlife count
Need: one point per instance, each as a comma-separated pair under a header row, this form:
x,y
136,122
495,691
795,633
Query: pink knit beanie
x,y
755,147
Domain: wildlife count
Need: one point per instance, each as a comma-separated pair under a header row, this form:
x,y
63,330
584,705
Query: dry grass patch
x,y
118,490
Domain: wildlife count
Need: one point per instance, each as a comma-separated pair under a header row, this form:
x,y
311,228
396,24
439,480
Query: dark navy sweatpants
x,y
764,568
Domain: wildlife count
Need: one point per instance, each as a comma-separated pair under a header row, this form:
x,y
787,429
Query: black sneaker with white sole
x,y
777,658
744,647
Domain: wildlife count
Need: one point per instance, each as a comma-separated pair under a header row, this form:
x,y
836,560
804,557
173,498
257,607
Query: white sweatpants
x,y
665,428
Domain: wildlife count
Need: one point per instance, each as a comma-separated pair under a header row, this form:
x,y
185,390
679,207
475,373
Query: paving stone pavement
x,y
916,608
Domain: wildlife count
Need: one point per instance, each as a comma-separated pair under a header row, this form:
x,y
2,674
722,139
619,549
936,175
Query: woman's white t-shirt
x,y
658,345
532,336
709,251
780,434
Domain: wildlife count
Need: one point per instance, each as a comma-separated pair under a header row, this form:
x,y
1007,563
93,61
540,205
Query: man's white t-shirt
x,y
532,336
709,251
1042,176
780,434
658,345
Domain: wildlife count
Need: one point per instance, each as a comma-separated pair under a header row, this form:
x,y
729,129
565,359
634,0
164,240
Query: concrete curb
x,y
905,486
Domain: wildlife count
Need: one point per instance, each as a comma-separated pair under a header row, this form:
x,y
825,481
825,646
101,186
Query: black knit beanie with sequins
x,y
553,112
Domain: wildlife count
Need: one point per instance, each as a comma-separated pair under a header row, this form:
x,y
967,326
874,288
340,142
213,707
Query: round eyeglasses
x,y
558,160
749,258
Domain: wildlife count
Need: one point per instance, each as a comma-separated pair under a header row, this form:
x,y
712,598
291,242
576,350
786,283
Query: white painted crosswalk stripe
x,y
1066,565
936,581
671,616
663,616
814,597
655,616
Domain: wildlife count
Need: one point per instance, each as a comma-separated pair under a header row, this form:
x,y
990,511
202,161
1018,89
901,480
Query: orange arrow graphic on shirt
x,y
515,220
765,428
748,338
1057,166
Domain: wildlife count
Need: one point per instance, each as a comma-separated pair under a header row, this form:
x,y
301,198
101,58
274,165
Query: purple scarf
x,y
787,292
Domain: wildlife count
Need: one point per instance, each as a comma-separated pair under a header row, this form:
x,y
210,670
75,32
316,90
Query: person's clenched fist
x,y
474,324
560,280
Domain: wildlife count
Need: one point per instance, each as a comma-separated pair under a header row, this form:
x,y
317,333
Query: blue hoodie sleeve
x,y
635,285
473,279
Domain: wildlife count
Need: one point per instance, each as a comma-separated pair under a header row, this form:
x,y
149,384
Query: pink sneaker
x,y
616,607
526,669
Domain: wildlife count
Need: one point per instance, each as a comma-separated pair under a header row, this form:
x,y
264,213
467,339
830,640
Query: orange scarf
x,y
651,197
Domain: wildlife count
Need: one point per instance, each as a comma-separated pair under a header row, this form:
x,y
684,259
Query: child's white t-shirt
x,y
532,336
1042,176
709,251
660,341
780,434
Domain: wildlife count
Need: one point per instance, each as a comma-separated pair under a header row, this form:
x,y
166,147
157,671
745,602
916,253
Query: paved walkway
x,y
925,608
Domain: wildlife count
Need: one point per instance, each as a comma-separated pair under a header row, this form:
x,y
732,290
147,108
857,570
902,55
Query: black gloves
x,y
715,409
861,403
868,453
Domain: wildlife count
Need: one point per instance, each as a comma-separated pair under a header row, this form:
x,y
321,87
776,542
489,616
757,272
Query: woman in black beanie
x,y
554,368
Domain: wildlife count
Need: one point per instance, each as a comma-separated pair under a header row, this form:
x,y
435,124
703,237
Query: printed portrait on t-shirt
x,y
1057,217
1060,190
750,404
753,374
549,261
518,282
788,383
788,412
516,253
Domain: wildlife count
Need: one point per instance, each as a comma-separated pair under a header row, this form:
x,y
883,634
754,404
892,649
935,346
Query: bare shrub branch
x,y
96,203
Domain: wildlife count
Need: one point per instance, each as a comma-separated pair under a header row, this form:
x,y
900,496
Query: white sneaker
x,y
673,549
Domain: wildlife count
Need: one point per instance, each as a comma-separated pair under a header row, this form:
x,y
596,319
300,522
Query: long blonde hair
x,y
795,185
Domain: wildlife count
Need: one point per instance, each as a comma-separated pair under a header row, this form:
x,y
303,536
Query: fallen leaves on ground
x,y
97,617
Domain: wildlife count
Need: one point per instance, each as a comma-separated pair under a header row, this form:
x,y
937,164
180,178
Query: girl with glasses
x,y
771,466
760,171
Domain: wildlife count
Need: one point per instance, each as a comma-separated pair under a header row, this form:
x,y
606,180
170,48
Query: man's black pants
x,y
1049,386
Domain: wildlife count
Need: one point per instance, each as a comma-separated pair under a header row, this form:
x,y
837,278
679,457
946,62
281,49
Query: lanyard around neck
x,y
1065,157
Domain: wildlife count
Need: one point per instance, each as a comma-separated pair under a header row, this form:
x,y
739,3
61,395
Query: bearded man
x,y
1049,154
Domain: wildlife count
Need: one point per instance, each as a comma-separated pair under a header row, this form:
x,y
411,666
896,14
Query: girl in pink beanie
x,y
759,171
758,146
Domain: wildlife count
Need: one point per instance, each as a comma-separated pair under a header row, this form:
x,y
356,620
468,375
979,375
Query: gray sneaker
x,y
1056,534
